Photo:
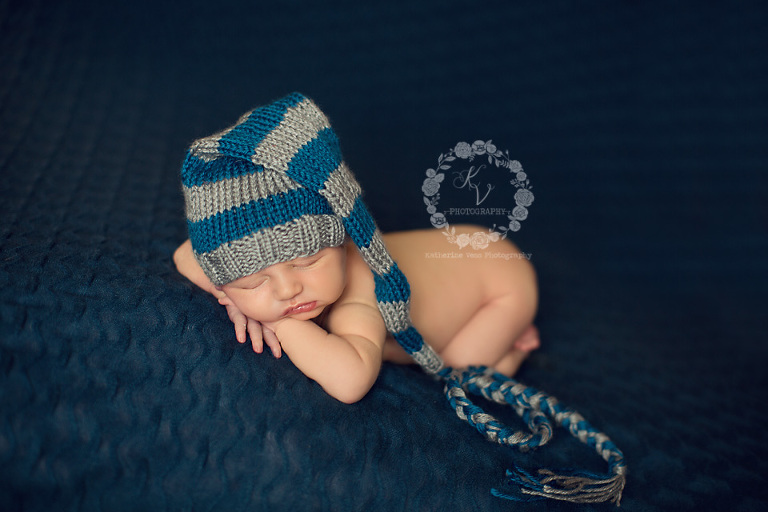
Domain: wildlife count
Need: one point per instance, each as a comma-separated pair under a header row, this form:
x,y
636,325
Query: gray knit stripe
x,y
428,359
209,199
207,149
341,189
397,318
300,124
395,315
299,237
376,255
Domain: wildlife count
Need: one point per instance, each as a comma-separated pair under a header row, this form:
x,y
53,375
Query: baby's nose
x,y
287,287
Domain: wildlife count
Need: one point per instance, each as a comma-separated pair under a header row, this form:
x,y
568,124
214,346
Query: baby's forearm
x,y
345,367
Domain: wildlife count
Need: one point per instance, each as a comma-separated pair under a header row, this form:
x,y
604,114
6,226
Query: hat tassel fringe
x,y
576,489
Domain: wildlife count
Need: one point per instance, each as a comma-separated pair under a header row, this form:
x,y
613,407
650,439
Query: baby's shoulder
x,y
359,279
357,307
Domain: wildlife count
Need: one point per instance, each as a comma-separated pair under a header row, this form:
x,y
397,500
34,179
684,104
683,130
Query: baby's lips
x,y
300,308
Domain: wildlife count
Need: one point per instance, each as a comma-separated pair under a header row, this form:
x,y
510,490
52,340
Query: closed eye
x,y
307,262
260,281
251,282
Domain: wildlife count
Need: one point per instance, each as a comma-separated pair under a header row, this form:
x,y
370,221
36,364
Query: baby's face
x,y
300,288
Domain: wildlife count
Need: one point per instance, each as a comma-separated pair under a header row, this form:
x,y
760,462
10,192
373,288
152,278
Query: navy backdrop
x,y
643,127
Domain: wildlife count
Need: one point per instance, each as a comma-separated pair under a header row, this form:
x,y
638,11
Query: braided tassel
x,y
538,410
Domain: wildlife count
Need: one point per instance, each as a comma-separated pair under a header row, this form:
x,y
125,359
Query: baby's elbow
x,y
353,388
355,380
177,257
349,398
180,255
352,393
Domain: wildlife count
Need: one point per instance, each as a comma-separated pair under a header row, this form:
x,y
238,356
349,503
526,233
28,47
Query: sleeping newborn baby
x,y
279,234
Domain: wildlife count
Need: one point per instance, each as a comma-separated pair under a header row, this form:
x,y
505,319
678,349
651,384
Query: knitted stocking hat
x,y
274,187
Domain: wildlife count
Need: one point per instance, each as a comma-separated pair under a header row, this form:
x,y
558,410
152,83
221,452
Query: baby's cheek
x,y
256,309
332,289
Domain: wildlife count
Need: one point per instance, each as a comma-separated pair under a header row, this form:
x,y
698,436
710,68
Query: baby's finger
x,y
272,342
241,326
254,329
240,322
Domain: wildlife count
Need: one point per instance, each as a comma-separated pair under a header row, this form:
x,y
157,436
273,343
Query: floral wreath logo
x,y
464,151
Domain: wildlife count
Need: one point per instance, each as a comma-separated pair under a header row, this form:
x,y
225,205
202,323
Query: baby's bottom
x,y
472,312
508,363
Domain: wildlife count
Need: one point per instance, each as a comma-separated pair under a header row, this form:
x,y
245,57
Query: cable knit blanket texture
x,y
642,128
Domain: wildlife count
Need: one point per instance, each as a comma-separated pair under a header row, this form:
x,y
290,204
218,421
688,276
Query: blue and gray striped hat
x,y
274,187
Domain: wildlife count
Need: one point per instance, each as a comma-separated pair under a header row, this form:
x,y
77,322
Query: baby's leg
x,y
508,364
522,346
500,334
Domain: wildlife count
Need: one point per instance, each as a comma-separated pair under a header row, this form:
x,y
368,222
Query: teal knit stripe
x,y
252,184
314,162
235,223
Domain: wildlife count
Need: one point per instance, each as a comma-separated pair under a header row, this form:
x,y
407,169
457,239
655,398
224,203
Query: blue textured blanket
x,y
642,130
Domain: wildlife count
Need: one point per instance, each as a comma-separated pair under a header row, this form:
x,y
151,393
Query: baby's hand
x,y
259,333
